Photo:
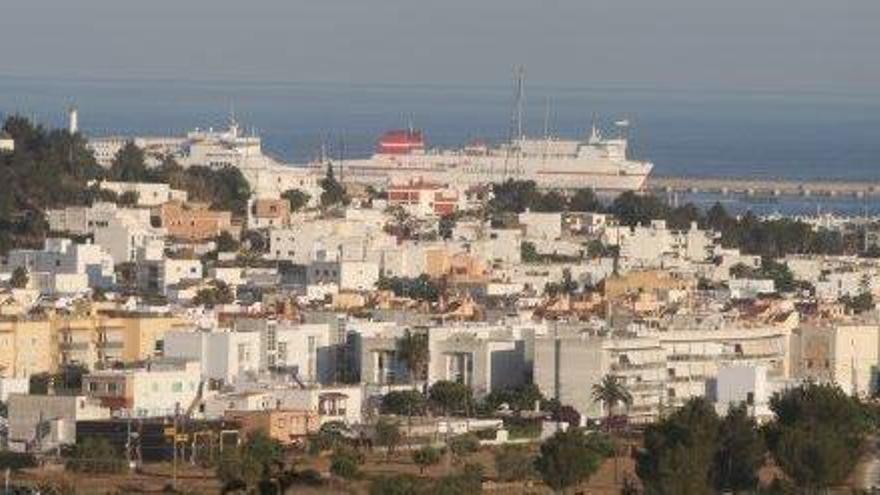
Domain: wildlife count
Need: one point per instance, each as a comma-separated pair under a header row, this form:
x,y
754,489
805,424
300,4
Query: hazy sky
x,y
750,44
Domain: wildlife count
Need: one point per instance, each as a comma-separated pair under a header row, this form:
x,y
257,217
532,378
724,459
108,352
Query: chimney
x,y
73,118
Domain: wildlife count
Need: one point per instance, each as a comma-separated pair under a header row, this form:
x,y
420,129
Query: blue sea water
x,y
684,132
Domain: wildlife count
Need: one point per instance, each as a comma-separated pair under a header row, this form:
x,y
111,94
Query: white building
x,y
304,350
62,266
158,388
657,246
539,225
485,357
7,144
566,369
750,288
224,355
158,276
843,353
39,423
148,193
358,275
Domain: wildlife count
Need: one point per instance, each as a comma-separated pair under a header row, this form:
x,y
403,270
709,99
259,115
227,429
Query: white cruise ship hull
x,y
556,173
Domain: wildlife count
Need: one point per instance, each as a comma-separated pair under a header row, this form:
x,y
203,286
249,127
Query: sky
x,y
765,45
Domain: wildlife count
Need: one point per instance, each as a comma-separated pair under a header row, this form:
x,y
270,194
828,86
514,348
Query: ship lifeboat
x,y
401,142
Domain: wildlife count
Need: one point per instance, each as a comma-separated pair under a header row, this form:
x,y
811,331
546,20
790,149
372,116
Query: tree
x,y
860,303
219,293
226,243
236,469
401,484
421,288
518,398
679,451
404,403
129,164
334,191
567,459
740,452
445,226
781,275
450,397
345,463
412,350
551,202
513,463
128,198
818,433
297,199
425,457
469,481
224,188
632,209
512,196
584,200
258,458
463,445
388,435
96,455
611,392
19,278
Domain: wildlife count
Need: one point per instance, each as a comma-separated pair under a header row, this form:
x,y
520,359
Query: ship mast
x,y
516,118
520,96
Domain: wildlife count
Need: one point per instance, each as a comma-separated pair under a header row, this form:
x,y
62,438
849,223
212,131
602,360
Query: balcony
x,y
75,345
111,344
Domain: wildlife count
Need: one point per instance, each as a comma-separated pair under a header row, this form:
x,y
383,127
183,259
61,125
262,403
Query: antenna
x,y
547,118
546,127
520,74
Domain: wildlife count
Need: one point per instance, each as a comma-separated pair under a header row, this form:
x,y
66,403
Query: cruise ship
x,y
597,162
217,148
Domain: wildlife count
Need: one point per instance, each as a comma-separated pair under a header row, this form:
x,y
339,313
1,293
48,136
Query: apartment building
x,y
695,356
29,346
845,353
155,388
148,193
62,266
266,213
567,365
194,222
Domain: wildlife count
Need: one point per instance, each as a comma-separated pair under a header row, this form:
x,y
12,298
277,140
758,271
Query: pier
x,y
763,187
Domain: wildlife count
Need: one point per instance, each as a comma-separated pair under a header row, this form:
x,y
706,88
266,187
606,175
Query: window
x,y
177,387
282,352
93,387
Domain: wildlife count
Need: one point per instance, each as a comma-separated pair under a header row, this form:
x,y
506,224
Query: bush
x,y
15,460
463,445
468,481
513,463
96,455
404,403
401,484
309,477
345,463
426,456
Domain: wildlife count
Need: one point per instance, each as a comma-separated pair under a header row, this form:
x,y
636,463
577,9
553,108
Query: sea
x,y
690,132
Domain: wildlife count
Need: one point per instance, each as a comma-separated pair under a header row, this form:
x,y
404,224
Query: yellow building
x,y
29,346
26,347
618,286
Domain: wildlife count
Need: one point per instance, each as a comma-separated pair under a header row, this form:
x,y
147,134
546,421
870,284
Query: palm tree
x,y
412,349
611,392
